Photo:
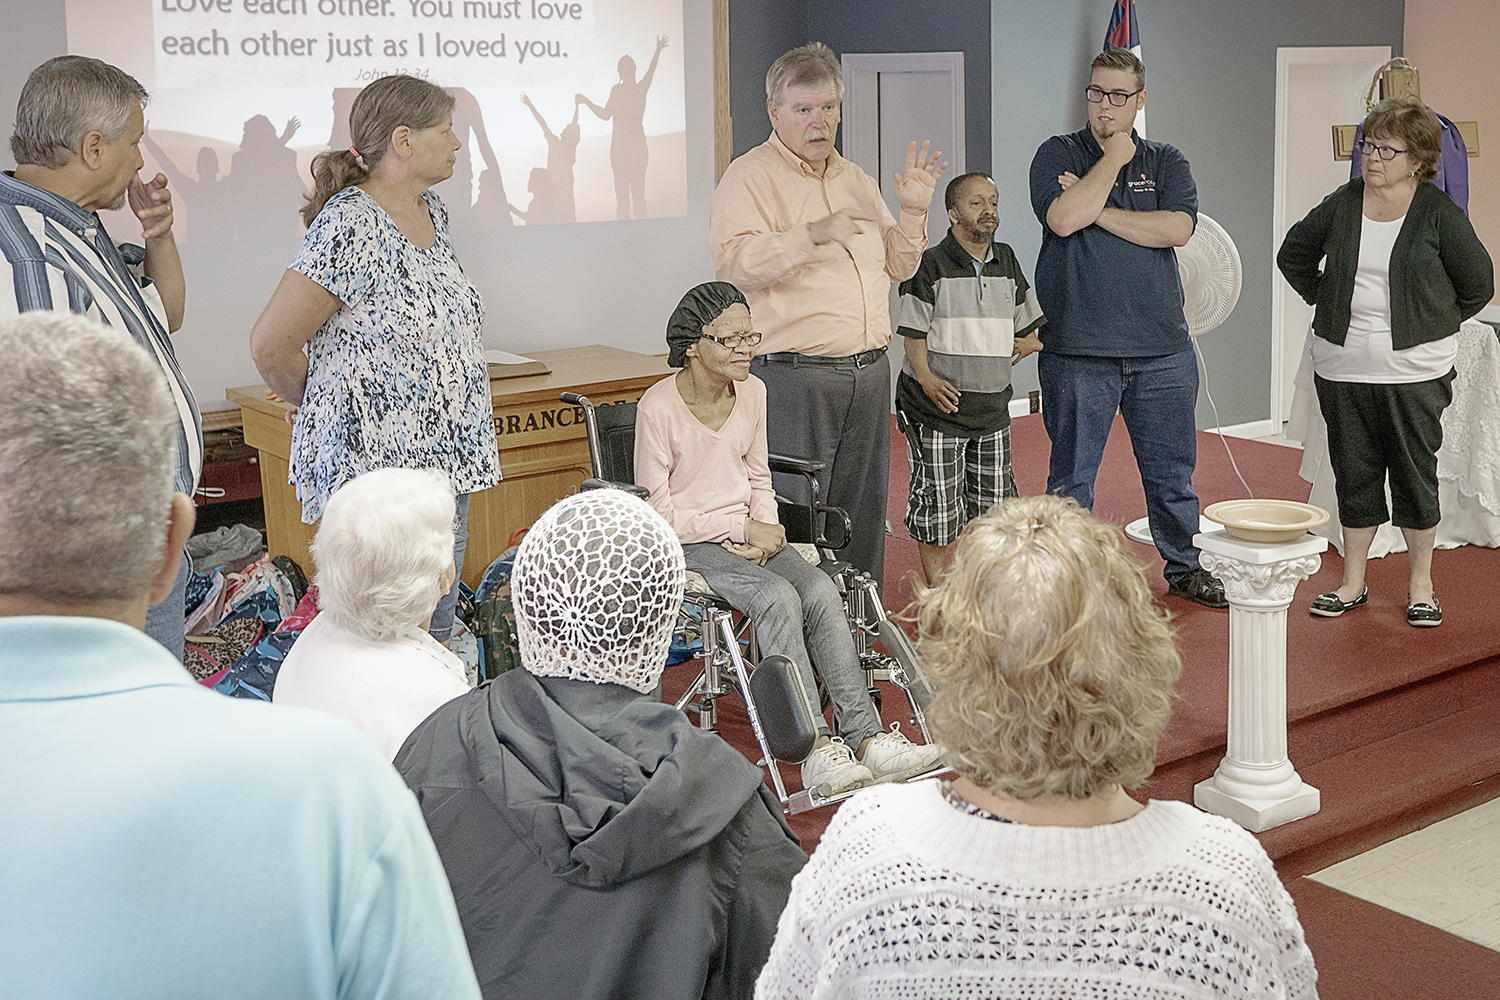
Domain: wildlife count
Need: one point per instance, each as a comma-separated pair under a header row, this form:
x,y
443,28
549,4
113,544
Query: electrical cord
x,y
1218,424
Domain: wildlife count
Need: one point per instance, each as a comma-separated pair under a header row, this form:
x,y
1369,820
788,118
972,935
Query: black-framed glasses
x,y
735,340
1116,97
1368,148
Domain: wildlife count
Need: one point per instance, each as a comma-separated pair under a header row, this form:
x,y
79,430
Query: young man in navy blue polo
x,y
1112,207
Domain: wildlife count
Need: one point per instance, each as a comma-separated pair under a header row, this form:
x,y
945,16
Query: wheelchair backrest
x,y
616,423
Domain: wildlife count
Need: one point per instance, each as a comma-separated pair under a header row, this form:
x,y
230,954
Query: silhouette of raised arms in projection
x,y
562,152
206,199
267,189
627,144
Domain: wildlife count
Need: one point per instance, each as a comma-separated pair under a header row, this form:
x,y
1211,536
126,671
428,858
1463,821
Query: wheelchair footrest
x,y
816,798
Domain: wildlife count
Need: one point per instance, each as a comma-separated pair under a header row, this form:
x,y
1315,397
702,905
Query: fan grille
x,y
1210,269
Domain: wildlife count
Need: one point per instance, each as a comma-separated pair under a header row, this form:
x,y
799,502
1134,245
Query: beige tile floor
x,y
1446,875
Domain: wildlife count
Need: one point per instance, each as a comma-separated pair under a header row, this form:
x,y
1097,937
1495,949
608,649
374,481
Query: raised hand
x,y
914,187
152,204
840,227
661,42
292,125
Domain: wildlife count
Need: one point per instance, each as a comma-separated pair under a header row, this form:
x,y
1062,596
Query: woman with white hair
x,y
1034,874
384,553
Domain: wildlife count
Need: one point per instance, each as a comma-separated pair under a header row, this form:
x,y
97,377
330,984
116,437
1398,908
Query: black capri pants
x,y
1375,429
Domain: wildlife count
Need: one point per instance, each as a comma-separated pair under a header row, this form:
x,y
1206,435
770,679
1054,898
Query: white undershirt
x,y
1367,354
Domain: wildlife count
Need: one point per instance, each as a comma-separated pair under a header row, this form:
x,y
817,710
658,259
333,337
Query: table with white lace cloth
x,y
1468,461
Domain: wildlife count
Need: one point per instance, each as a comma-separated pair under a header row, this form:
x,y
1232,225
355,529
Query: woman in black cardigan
x,y
1402,268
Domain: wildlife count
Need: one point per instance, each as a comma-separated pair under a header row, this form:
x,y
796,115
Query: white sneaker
x,y
892,757
833,766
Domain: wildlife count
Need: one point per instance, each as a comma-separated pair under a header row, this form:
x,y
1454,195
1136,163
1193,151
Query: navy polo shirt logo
x,y
1141,184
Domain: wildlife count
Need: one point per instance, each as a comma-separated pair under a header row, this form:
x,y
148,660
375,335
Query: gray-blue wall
x,y
759,31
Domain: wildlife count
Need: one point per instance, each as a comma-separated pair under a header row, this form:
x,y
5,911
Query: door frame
x,y
862,102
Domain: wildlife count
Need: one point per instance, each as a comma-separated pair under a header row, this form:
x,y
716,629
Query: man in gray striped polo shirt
x,y
968,314
77,147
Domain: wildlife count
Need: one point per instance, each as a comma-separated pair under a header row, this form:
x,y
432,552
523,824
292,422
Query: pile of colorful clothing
x,y
245,610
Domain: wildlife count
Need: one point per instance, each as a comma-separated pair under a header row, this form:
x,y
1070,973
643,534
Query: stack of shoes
x,y
1330,606
833,766
892,757
1423,615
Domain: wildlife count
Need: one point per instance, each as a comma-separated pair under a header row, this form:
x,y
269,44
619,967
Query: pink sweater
x,y
705,483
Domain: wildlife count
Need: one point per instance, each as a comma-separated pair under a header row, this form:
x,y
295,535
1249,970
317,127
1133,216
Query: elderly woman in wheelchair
x,y
700,449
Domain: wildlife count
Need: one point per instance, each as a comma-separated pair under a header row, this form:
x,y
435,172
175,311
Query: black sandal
x,y
1329,606
1424,615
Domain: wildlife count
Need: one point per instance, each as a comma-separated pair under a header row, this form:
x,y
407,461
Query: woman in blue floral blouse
x,y
394,373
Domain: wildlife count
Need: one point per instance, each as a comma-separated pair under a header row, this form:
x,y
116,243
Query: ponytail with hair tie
x,y
380,108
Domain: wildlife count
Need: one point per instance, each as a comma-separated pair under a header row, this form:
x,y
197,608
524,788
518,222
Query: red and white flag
x,y
1125,33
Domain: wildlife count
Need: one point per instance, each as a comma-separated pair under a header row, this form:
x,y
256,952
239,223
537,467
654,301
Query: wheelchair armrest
x,y
602,484
837,528
822,525
786,463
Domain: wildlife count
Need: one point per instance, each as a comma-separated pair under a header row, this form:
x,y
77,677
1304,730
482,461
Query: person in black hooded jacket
x,y
598,845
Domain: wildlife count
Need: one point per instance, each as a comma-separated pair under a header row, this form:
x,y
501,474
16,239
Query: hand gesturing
x,y
914,187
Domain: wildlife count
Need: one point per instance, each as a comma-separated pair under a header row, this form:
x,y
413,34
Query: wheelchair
x,y
782,713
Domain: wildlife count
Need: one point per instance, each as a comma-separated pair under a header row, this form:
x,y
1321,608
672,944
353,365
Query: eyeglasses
x,y
1118,98
735,340
1368,148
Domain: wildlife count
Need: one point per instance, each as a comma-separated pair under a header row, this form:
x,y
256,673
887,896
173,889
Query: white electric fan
x,y
1210,269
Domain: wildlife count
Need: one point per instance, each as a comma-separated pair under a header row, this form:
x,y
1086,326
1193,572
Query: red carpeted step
x,y
1383,790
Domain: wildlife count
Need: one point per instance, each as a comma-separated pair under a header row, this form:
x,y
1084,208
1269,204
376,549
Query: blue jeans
x,y
798,614
441,628
1157,397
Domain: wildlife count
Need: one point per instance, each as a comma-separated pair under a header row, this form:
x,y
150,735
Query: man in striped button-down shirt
x,y
77,147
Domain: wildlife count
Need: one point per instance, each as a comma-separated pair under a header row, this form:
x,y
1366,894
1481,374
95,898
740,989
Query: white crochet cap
x,y
596,586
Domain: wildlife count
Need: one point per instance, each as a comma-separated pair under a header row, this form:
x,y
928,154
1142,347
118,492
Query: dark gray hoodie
x,y
598,844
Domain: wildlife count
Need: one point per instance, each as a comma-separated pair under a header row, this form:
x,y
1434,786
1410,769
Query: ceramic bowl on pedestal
x,y
1266,520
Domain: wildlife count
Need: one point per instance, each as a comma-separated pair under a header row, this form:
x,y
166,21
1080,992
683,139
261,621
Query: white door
x,y
1316,89
889,100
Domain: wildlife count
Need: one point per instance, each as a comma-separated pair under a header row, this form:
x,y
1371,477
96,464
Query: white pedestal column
x,y
1256,785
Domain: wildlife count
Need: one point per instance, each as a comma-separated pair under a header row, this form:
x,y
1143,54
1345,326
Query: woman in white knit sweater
x,y
1034,874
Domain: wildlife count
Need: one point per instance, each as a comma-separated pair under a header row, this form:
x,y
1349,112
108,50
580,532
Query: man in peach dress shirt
x,y
806,236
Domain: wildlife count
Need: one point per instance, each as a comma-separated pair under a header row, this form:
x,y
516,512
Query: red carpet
x,y
1366,952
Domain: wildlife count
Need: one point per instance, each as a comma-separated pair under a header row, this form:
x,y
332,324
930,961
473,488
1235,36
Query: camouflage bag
x,y
495,618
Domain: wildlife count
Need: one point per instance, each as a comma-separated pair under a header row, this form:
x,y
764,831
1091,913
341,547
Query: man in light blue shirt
x,y
158,839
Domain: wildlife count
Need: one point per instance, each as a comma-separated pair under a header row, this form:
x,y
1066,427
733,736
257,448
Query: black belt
x,y
863,359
